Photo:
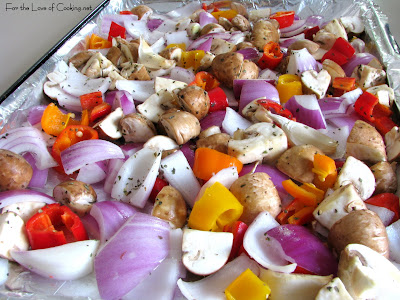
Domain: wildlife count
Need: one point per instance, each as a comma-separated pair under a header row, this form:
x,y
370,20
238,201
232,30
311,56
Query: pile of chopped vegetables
x,y
212,152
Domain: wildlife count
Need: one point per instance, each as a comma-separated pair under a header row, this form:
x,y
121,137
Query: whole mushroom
x,y
16,172
385,178
218,141
257,193
137,128
263,32
179,125
194,100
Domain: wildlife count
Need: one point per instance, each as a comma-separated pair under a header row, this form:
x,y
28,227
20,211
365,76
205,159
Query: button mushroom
x,y
81,58
315,83
114,55
109,127
77,195
98,66
194,100
137,128
218,141
133,71
257,193
220,46
141,10
365,143
353,24
12,234
392,140
170,206
229,66
311,46
16,172
260,141
335,27
241,23
367,76
154,106
180,125
211,28
297,162
333,69
360,227
385,177
174,53
263,32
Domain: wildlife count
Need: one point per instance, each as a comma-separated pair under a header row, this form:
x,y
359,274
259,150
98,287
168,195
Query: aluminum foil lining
x,y
13,111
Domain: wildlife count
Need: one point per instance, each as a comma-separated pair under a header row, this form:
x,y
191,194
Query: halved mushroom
x,y
180,125
170,85
194,100
297,162
365,143
354,171
211,28
218,141
137,128
392,140
333,69
368,275
130,52
224,22
133,71
311,46
335,26
81,58
384,93
156,105
385,177
98,66
109,127
174,53
162,143
209,131
337,205
367,76
315,83
220,46
77,195
261,141
141,10
258,14
334,290
114,55
352,24
325,39
241,23
239,7
263,32
193,30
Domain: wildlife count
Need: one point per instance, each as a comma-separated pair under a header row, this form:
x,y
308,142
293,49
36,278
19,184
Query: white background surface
x,y
26,35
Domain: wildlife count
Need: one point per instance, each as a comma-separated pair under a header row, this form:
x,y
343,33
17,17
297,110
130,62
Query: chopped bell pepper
x,y
247,286
319,194
276,108
69,136
217,208
85,117
309,32
181,46
208,162
125,12
365,104
158,185
54,120
205,80
88,101
97,42
342,85
307,197
325,169
288,86
284,18
54,225
116,30
218,99
228,14
389,201
303,216
272,56
384,124
191,59
340,52
238,229
296,213
287,212
100,111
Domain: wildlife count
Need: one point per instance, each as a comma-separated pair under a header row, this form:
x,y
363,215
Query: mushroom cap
x,y
194,100
179,125
263,32
227,67
16,172
137,128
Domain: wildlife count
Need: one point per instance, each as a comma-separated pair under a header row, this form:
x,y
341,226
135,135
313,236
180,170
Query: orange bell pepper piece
x,y
97,42
228,14
205,80
54,120
325,169
303,216
308,198
208,162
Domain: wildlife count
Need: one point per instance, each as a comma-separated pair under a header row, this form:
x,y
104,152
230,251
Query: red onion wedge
x,y
206,46
233,121
15,196
177,37
300,61
39,177
140,90
121,99
182,74
267,252
67,262
110,216
188,150
386,215
92,173
199,41
28,139
206,18
254,89
137,176
213,119
35,114
179,174
306,110
305,248
213,286
132,253
153,24
89,151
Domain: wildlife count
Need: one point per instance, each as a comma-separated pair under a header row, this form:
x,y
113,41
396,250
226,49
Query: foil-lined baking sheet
x,y
13,110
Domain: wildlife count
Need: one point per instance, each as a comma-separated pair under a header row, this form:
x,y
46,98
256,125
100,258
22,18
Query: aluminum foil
x,y
22,284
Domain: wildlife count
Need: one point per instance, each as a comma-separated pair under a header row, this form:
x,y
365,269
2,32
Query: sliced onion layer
x,y
15,196
233,121
306,110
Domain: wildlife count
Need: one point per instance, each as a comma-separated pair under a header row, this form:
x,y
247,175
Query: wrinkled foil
x,y
22,284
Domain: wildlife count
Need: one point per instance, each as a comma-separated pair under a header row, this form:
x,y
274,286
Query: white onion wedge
x,y
66,262
213,286
265,250
137,176
179,174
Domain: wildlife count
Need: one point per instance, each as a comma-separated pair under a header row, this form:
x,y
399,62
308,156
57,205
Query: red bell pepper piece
x,y
272,56
205,80
284,18
342,85
100,111
69,136
158,185
125,12
384,124
387,200
218,99
238,229
365,104
276,108
116,30
309,33
340,52
381,110
54,225
89,101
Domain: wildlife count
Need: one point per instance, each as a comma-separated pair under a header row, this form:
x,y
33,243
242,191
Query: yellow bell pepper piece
x,y
228,14
181,45
247,286
191,59
288,86
215,209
